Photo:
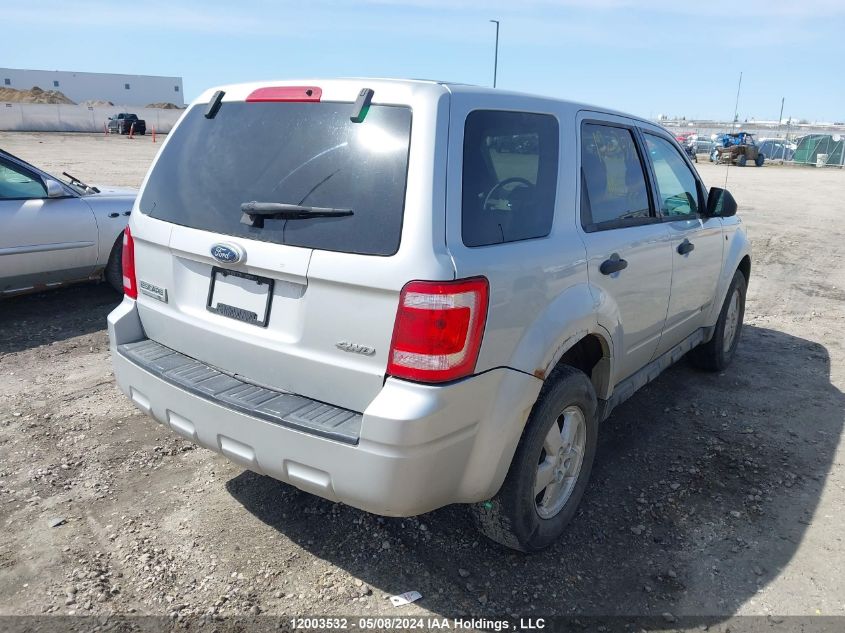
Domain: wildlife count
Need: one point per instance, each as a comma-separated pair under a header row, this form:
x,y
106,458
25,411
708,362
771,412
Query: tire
x,y
760,160
114,268
741,160
514,517
718,352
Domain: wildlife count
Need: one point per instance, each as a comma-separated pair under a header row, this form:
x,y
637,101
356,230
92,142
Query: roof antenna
x,y
214,104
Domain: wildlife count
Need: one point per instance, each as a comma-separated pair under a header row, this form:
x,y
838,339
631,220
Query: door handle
x,y
114,215
613,265
685,247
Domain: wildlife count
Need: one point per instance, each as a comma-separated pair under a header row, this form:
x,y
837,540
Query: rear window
x,y
307,154
613,182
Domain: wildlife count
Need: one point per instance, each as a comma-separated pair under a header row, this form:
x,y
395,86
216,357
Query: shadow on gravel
x,y
703,487
40,319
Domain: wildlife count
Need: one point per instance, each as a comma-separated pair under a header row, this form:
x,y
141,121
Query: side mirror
x,y
720,203
54,189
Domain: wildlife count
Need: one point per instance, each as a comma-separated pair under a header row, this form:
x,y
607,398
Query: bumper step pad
x,y
279,407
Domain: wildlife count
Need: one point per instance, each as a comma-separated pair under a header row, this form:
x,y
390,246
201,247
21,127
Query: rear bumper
x,y
420,447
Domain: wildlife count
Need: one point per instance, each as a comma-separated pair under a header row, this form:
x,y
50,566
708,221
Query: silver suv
x,y
406,294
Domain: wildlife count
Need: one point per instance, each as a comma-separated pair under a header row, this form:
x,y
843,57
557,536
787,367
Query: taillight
x,y
438,329
130,288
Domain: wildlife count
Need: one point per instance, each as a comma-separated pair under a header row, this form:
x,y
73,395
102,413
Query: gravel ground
x,y
712,494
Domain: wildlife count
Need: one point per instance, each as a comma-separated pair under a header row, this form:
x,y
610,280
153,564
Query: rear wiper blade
x,y
254,213
76,181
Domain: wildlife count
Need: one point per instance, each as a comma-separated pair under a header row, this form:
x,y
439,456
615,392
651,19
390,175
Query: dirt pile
x,y
96,103
164,105
33,95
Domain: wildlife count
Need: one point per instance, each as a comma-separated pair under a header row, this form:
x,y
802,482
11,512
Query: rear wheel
x,y
550,469
741,160
114,268
718,352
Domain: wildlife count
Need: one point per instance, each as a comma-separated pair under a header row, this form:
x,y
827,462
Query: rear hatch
x,y
246,293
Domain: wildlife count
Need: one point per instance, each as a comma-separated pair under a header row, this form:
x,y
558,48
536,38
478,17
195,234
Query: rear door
x,y
305,305
43,240
696,241
628,248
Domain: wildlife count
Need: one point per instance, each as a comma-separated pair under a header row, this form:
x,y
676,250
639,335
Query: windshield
x,y
291,153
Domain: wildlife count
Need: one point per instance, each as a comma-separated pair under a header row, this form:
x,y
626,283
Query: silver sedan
x,y
55,232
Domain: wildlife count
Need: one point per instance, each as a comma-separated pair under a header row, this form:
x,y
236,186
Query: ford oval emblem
x,y
227,253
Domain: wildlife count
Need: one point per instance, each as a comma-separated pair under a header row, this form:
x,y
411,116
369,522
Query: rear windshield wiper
x,y
254,213
76,181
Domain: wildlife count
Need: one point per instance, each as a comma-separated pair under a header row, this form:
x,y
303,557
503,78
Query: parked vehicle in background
x,y
777,149
704,145
694,144
689,148
687,142
55,233
720,140
403,317
126,122
739,149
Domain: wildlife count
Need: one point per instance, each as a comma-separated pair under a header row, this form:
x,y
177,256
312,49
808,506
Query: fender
x,y
571,316
112,213
736,249
560,325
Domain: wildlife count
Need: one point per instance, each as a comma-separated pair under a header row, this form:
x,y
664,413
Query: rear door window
x,y
307,154
509,176
613,181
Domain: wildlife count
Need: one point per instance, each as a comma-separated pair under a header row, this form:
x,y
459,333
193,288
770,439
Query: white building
x,y
129,90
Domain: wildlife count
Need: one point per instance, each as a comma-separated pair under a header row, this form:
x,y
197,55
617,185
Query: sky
x,y
646,57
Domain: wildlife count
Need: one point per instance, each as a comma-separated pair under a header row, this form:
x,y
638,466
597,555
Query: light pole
x,y
736,106
496,53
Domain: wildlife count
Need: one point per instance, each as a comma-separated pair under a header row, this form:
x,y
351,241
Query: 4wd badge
x,y
346,346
